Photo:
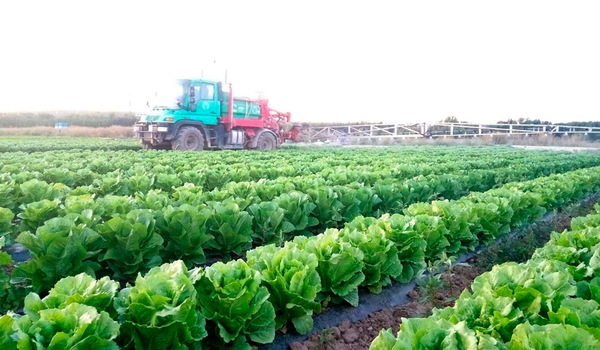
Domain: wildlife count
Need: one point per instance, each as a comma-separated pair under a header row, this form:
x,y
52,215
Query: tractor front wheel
x,y
266,142
188,139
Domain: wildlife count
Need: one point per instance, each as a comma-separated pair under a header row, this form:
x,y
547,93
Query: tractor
x,y
202,116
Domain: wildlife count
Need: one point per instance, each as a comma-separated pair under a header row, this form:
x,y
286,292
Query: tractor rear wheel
x,y
266,142
188,139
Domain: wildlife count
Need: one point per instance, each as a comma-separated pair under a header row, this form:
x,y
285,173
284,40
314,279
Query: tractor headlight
x,y
162,129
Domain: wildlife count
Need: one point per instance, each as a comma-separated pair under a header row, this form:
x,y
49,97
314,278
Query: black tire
x,y
188,138
266,142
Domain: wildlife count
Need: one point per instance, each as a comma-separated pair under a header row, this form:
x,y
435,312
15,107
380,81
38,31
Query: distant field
x,y
42,143
114,131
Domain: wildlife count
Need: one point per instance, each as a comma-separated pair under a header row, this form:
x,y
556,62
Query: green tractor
x,y
203,116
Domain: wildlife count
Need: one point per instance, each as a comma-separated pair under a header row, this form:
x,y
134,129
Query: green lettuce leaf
x,y
132,244
81,289
34,214
268,223
185,231
235,304
230,228
58,249
6,227
427,333
8,333
298,216
291,277
552,337
159,311
340,266
380,254
74,327
411,245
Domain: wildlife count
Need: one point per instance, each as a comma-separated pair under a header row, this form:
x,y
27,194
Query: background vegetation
x,y
77,118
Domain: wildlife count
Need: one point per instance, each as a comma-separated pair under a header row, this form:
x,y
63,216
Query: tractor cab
x,y
198,100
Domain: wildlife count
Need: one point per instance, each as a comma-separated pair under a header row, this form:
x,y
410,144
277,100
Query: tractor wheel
x,y
188,139
266,142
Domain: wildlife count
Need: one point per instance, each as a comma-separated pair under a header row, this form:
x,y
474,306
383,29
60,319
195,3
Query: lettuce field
x,y
106,246
550,302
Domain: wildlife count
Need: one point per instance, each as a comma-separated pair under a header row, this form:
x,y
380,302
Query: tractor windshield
x,y
169,97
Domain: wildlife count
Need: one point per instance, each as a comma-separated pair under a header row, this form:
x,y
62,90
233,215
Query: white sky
x,y
400,61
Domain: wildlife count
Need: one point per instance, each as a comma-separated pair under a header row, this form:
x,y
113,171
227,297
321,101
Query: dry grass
x,y
81,131
73,118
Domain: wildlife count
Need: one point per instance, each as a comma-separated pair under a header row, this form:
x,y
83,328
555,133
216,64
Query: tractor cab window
x,y
207,91
204,91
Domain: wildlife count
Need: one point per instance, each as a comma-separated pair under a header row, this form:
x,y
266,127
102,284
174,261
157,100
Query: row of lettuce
x,y
306,161
36,201
250,166
228,305
125,173
133,234
550,302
